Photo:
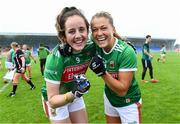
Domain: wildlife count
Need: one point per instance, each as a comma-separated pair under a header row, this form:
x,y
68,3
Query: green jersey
x,y
145,47
163,50
11,55
27,54
43,52
60,70
121,58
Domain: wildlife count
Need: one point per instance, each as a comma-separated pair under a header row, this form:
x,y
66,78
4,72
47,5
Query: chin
x,y
78,48
102,45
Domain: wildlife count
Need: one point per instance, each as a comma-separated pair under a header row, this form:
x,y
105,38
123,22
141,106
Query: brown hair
x,y
62,18
14,44
109,17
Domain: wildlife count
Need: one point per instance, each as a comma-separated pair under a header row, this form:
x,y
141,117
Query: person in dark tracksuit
x,y
146,61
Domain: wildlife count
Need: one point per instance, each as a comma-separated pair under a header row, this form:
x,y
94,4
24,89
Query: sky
x,y
133,18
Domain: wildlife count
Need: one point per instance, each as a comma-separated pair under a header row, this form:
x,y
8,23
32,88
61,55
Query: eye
x,y
103,28
81,29
94,29
71,31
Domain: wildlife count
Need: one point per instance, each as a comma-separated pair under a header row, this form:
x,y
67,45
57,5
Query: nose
x,y
99,32
78,34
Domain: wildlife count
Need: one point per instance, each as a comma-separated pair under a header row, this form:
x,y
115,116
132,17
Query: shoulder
x,y
120,45
19,52
55,54
125,50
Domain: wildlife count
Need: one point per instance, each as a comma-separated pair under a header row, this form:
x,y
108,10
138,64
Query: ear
x,y
114,31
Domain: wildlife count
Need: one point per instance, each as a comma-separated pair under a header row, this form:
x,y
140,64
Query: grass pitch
x,y
160,101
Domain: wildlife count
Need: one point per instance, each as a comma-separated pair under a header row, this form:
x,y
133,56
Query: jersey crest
x,y
111,64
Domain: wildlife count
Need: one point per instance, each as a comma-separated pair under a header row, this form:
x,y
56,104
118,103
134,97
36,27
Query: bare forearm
x,y
23,61
60,100
115,84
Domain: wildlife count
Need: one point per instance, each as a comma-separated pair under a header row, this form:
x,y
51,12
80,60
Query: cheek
x,y
94,35
68,38
85,35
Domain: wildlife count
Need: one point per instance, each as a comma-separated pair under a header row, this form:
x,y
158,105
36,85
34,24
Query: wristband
x,y
65,97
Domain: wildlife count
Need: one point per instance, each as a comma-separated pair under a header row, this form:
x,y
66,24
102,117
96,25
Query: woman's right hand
x,y
81,85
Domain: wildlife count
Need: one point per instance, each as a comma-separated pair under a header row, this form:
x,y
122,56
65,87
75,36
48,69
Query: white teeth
x,y
78,42
101,39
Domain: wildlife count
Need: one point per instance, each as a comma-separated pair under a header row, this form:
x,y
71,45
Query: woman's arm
x,y
121,85
55,99
23,64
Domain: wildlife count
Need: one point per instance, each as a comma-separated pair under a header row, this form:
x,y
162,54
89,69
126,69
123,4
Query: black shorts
x,y
19,71
146,63
43,61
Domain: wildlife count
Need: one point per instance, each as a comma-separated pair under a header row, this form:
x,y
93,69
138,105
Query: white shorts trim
x,y
62,113
128,114
52,81
127,69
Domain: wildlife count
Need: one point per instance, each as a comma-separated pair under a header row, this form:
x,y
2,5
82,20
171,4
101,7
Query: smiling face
x,y
76,33
102,32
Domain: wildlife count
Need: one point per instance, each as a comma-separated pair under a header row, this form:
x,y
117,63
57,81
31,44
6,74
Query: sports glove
x,y
81,85
65,50
97,65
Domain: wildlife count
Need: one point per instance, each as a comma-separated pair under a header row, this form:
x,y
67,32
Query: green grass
x,y
161,101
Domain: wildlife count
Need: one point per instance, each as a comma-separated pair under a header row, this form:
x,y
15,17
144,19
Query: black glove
x,y
81,85
65,50
97,65
132,45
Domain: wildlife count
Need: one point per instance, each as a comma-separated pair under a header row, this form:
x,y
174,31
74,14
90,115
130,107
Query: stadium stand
x,y
31,39
50,40
155,45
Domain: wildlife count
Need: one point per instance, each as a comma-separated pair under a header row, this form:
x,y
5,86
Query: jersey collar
x,y
111,48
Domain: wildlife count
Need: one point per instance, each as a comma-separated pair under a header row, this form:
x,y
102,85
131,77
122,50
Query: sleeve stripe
x,y
52,81
128,69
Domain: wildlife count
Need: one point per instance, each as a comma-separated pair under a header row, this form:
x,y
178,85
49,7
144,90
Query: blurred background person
x,y
20,67
43,52
146,60
162,54
28,56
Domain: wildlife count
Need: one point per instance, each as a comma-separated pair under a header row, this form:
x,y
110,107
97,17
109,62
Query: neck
x,y
146,41
110,45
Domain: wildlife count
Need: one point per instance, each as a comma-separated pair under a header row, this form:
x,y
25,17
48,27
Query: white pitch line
x,y
4,87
